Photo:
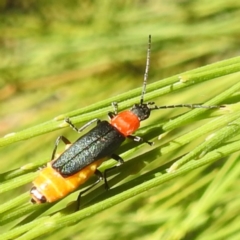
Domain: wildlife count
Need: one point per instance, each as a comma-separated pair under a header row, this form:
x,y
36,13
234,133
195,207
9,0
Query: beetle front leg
x,y
139,139
115,110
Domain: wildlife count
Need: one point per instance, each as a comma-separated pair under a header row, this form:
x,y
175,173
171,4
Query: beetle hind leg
x,y
100,178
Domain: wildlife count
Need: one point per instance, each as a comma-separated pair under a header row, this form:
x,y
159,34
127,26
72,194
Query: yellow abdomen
x,y
51,186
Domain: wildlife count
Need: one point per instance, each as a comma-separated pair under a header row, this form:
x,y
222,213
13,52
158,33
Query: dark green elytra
x,y
100,142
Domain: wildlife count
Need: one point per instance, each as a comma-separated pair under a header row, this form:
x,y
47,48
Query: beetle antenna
x,y
146,71
192,106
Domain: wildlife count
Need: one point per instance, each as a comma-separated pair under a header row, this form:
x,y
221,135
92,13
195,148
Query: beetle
x,y
80,160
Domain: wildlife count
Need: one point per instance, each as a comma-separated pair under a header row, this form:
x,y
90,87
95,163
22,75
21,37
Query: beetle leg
x,y
67,120
115,107
100,178
111,115
115,110
65,140
120,161
139,139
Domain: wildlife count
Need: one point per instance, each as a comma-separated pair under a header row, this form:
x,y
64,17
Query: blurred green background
x,y
58,56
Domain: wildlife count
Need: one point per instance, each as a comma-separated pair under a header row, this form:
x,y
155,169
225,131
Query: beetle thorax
x,y
126,122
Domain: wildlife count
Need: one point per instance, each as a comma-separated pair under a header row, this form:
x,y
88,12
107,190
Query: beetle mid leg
x,y
120,161
100,178
139,139
65,140
67,120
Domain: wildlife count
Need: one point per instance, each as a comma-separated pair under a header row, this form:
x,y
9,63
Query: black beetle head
x,y
142,111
